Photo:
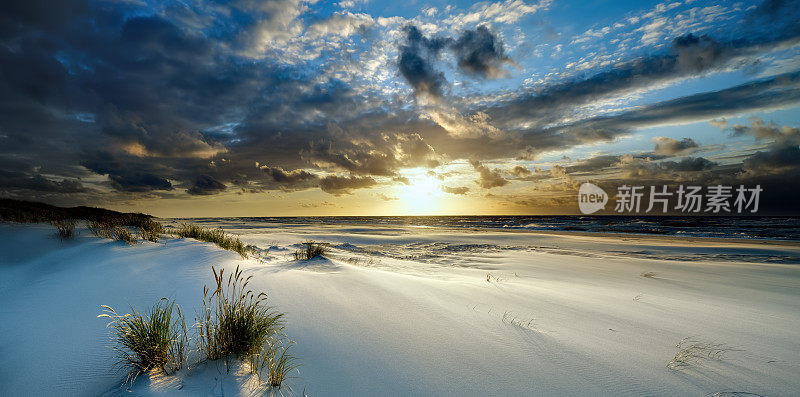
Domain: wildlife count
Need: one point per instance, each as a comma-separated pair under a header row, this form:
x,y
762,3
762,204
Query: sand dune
x,y
413,311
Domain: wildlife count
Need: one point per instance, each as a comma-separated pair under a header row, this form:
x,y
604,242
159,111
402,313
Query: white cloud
x,y
507,12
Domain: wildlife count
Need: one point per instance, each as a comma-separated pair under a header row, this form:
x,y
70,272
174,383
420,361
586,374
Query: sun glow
x,y
423,196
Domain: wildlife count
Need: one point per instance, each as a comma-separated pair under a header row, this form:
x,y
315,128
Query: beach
x,y
399,310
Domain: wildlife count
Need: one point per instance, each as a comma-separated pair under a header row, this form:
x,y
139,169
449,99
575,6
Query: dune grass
x,y
512,319
65,228
692,352
112,231
234,323
234,320
101,229
101,222
150,231
237,322
648,274
216,236
275,361
151,340
32,212
310,250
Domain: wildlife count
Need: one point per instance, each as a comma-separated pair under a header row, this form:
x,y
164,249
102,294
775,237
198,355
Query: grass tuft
x,y
648,274
150,230
234,320
216,236
310,250
122,233
276,362
155,340
692,352
512,319
111,230
65,228
33,212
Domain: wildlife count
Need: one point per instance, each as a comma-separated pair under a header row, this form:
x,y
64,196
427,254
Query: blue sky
x,y
289,107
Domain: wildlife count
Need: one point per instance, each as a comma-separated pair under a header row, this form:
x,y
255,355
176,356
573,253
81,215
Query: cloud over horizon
x,y
105,103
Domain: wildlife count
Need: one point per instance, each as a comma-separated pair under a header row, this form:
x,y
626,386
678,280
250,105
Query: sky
x,y
368,107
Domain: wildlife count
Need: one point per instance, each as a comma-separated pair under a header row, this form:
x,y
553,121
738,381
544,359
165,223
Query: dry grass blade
x,y
122,233
310,250
150,231
692,352
216,236
512,319
276,362
65,228
112,230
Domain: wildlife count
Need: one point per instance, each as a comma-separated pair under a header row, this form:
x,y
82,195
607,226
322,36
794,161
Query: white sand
x,y
409,311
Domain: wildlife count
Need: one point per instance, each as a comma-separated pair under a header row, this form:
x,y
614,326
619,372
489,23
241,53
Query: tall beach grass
x,y
216,236
154,340
235,322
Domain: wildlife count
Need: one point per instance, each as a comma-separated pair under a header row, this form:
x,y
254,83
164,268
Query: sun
x,y
423,196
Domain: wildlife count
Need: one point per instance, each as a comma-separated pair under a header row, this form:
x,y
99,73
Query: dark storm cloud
x,y
338,185
772,8
44,14
765,93
455,190
762,130
293,177
760,94
127,176
697,54
39,183
776,168
688,164
100,81
669,147
639,165
417,61
146,102
139,182
206,185
593,164
780,159
782,155
382,156
359,161
520,171
488,178
479,52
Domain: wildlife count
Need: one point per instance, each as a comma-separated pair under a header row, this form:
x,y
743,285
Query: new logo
x,y
591,198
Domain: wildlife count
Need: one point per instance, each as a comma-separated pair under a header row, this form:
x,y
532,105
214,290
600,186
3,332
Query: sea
x,y
738,227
